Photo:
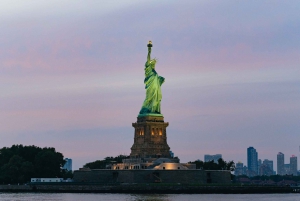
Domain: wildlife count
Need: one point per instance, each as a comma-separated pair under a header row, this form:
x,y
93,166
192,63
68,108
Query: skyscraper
x,y
252,161
269,163
266,168
68,164
239,167
293,165
259,163
287,169
280,164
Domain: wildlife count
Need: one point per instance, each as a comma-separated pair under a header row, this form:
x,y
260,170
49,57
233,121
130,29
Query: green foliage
x,y
20,163
211,165
101,164
48,163
278,178
67,174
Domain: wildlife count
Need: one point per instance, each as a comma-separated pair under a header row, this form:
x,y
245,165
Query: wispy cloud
x,y
72,72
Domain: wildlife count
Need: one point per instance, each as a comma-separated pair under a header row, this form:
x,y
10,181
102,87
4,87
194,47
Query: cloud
x,y
71,73
213,34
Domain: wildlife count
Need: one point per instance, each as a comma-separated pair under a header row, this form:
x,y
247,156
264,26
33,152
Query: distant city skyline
x,y
72,72
256,166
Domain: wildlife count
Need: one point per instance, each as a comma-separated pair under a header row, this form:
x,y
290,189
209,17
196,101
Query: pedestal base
x,y
150,137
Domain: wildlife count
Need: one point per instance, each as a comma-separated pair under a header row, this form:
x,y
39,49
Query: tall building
x,y
214,158
259,163
293,165
245,170
68,164
269,163
252,161
266,168
287,169
280,164
171,154
239,169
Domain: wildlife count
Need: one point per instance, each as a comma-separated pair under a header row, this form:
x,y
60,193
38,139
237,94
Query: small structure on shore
x,y
46,180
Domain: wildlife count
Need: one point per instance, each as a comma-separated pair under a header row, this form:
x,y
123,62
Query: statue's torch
x,y
150,44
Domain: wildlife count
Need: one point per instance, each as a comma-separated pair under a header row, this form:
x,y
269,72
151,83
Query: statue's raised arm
x,y
153,82
149,51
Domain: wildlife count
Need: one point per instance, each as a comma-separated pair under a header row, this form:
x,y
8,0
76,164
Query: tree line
x,y
211,165
275,178
18,164
101,164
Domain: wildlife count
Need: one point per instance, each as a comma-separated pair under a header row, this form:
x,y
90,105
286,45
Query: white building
x,y
46,179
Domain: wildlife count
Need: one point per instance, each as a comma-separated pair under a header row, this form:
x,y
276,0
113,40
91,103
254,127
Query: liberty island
x,y
150,159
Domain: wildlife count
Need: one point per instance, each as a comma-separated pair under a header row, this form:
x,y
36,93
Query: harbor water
x,y
146,197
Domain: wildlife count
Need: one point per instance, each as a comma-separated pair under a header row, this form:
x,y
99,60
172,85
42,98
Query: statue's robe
x,y
153,84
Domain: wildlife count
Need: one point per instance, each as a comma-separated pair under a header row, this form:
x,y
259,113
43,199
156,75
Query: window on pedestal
x,y
156,131
140,131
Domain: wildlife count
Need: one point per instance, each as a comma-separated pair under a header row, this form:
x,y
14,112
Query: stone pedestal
x,y
150,138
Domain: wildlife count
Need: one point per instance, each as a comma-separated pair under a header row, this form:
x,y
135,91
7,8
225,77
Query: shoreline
x,y
148,189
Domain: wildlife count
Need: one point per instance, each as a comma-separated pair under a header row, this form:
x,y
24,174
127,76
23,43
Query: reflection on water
x,y
216,197
150,197
145,197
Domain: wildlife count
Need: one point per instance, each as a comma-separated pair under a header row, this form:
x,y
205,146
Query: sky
x,y
71,75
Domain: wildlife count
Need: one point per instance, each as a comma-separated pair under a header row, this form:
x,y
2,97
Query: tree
x,y
19,163
101,164
211,165
27,171
48,163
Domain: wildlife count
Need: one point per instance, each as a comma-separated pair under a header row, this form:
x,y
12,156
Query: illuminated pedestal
x,y
150,138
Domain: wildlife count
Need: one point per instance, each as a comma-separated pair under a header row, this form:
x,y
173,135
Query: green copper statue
x,y
153,82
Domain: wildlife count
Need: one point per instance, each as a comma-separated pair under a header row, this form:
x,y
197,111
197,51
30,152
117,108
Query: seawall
x,y
151,176
147,188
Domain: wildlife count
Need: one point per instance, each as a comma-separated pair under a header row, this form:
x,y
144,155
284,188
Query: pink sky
x,y
71,75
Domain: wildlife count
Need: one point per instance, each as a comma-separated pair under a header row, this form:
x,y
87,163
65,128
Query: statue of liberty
x,y
153,82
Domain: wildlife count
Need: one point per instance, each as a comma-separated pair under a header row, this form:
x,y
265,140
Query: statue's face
x,y
153,62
